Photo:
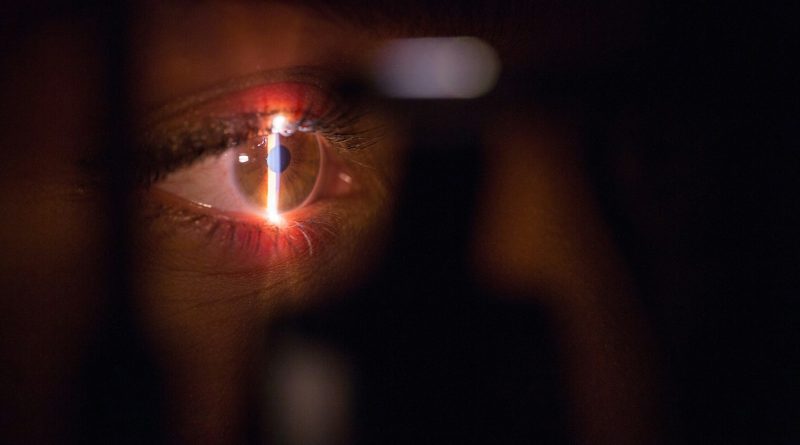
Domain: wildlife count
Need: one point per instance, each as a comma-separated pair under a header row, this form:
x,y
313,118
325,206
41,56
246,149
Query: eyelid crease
x,y
320,77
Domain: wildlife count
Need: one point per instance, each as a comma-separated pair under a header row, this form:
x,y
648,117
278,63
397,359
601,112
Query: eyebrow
x,y
493,20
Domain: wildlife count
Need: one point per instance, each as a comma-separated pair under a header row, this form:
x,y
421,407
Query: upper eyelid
x,y
178,133
319,77
182,132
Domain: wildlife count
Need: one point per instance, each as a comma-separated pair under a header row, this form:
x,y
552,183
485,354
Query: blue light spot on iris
x,y
278,159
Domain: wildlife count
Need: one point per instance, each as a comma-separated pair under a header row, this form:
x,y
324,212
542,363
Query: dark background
x,y
692,134
692,139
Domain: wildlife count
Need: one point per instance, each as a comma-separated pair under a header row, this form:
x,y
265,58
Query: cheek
x,y
205,337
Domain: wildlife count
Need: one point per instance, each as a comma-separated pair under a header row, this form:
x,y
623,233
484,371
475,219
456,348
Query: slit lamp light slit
x,y
274,175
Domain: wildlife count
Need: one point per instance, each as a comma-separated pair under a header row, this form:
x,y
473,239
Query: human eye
x,y
270,169
276,170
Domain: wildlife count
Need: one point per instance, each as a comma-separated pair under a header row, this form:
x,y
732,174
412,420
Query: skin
x,y
50,262
188,287
209,380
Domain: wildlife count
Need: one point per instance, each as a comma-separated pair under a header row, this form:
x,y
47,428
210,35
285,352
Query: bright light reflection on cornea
x,y
243,158
436,68
278,123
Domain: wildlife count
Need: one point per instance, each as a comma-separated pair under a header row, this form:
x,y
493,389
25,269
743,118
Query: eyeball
x,y
273,170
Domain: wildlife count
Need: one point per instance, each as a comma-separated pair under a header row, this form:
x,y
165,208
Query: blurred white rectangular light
x,y
436,68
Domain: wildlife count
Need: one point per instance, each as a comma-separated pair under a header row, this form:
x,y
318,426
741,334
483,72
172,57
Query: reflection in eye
x,y
270,172
280,171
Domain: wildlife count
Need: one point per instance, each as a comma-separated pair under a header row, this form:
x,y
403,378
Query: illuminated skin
x,y
202,298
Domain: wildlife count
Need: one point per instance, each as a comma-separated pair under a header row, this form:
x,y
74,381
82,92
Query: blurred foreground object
x,y
437,68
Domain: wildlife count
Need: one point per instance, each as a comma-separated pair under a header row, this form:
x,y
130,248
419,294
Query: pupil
x,y
278,159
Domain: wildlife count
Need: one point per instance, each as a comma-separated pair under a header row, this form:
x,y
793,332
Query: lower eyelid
x,y
234,242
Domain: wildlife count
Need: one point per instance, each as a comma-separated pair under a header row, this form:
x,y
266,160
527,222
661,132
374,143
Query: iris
x,y
297,159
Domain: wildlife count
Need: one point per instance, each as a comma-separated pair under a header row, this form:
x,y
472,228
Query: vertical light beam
x,y
273,177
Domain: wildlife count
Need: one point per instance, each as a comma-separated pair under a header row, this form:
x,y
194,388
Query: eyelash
x,y
165,153
249,236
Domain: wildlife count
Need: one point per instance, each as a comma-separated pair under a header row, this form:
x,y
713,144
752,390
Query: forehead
x,y
181,47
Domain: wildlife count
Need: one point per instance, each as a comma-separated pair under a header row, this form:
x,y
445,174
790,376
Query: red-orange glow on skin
x,y
243,239
292,99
